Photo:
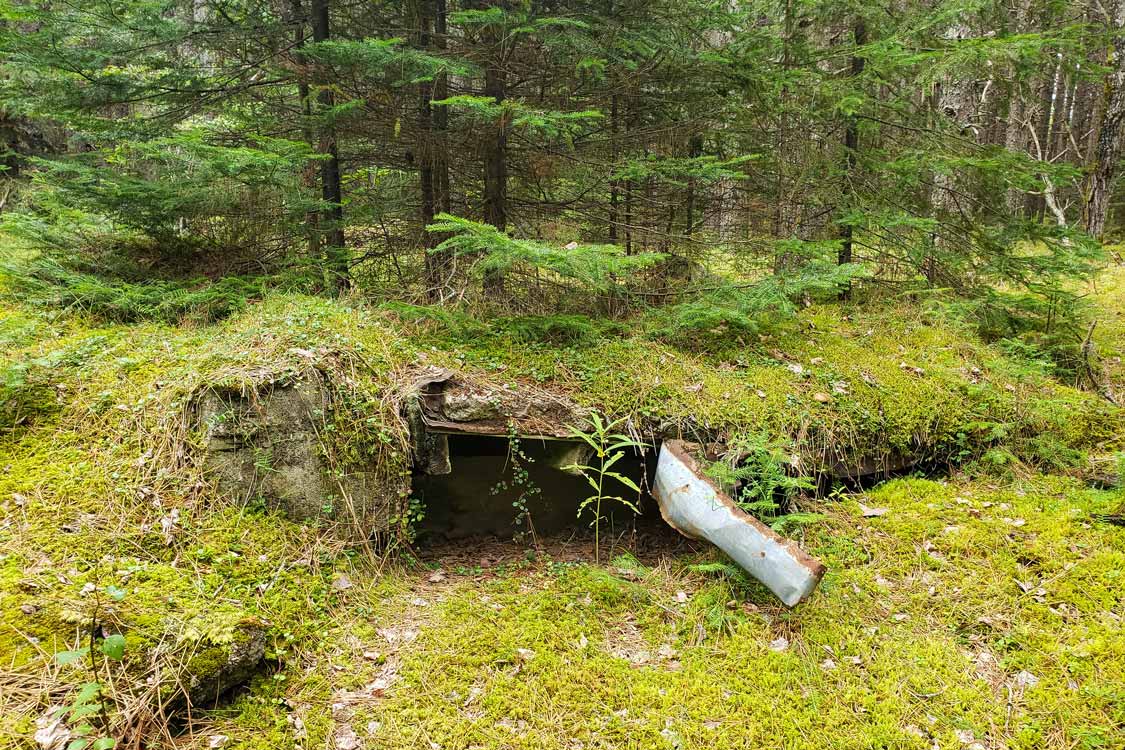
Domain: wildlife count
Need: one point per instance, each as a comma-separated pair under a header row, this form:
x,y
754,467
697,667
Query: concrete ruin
x,y
441,404
267,444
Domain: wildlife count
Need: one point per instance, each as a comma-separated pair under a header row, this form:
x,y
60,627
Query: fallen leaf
x,y
51,733
346,738
779,644
869,512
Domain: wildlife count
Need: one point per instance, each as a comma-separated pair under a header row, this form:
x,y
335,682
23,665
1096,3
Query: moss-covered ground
x,y
984,610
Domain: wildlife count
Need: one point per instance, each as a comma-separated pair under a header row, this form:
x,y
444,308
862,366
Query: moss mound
x,y
101,482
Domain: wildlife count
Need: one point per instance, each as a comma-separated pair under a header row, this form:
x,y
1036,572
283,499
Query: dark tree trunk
x,y
435,164
1108,148
695,150
851,148
630,113
304,97
614,185
331,193
425,154
495,152
9,148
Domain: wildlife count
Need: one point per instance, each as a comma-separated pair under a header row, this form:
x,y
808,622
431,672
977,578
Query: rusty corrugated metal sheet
x,y
696,507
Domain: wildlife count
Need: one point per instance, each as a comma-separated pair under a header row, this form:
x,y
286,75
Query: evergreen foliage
x,y
725,162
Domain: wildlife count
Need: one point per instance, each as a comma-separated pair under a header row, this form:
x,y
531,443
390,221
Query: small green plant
x,y
263,460
760,482
407,523
609,448
87,714
520,482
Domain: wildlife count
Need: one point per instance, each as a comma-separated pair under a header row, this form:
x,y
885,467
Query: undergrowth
x,y
100,484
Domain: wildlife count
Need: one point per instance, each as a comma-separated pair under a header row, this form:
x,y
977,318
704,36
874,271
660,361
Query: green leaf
x,y
115,593
86,692
114,647
624,480
78,744
68,657
584,437
105,743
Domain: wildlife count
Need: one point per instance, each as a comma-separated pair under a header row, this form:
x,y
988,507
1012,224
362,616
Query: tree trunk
x,y
331,193
1108,148
9,147
851,148
1015,129
304,97
425,155
435,160
957,104
695,150
630,114
614,185
495,151
787,210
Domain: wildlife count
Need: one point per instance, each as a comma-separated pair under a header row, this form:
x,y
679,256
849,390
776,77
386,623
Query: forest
x,y
562,374
719,160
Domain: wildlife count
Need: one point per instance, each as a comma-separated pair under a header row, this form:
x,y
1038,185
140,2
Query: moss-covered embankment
x,y
101,482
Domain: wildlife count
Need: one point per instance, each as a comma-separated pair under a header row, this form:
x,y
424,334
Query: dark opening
x,y
481,497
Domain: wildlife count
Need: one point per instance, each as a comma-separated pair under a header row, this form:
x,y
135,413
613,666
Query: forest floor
x,y
985,609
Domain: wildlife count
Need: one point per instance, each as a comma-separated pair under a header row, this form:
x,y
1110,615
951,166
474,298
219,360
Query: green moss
x,y
1109,332
103,487
887,654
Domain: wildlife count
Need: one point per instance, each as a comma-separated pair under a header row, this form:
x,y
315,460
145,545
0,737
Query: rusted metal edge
x,y
698,508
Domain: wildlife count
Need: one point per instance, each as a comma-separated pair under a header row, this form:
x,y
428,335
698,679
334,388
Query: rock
x,y
214,670
268,445
430,450
467,406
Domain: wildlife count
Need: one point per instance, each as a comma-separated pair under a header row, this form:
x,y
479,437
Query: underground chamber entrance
x,y
497,487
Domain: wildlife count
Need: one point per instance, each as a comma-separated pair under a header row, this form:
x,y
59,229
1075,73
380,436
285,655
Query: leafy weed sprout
x,y
762,485
609,448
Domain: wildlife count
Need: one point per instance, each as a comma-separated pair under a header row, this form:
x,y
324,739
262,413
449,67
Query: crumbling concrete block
x,y
268,444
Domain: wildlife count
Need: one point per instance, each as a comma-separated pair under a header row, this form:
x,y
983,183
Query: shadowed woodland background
x,y
721,161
